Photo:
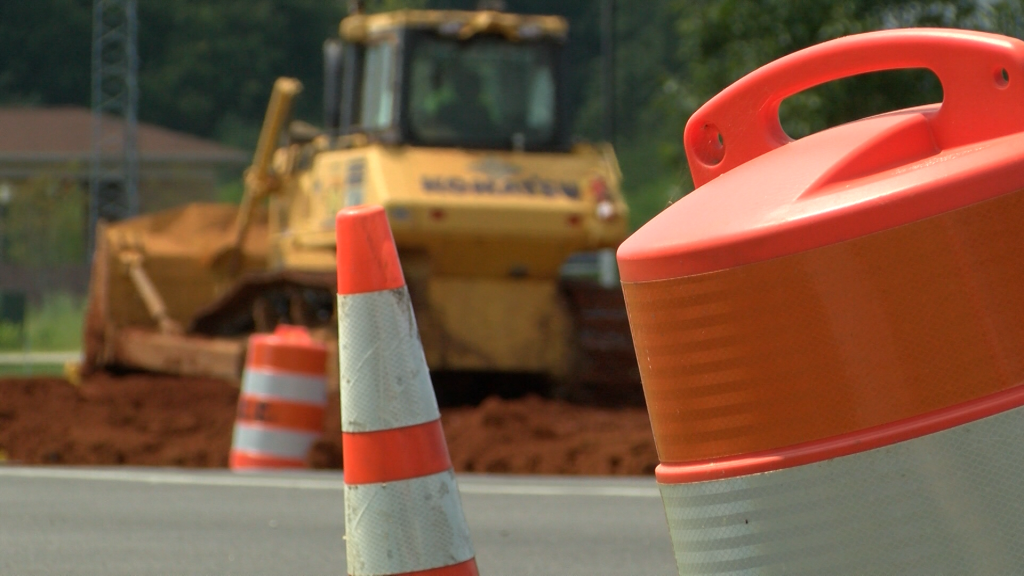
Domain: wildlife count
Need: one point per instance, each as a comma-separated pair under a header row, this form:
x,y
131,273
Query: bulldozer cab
x,y
452,79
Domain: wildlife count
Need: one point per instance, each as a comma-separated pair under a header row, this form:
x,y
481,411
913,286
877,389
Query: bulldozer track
x,y
605,360
260,301
604,369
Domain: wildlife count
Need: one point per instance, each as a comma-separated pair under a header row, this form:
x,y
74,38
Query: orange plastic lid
x,y
762,195
289,349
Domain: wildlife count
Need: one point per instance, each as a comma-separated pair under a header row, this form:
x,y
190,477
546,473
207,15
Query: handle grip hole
x,y
711,148
857,97
1002,78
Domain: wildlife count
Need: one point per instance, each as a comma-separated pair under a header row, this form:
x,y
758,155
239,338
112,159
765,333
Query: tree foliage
x,y
206,66
722,40
44,222
41,61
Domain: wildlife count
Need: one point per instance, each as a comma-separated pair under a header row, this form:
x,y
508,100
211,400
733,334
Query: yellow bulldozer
x,y
455,122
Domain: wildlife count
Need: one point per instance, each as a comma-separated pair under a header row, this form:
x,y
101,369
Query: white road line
x,y
18,358
542,490
466,486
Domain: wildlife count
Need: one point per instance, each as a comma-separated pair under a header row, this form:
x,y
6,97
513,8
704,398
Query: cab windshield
x,y
487,92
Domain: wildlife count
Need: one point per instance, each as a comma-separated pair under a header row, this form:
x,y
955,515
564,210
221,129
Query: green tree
x,y
45,222
207,67
645,66
373,6
44,51
722,40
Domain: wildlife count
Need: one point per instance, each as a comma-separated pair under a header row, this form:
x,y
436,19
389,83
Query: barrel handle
x,y
982,78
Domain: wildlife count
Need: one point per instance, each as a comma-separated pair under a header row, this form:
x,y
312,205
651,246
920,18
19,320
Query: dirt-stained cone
x,y
403,512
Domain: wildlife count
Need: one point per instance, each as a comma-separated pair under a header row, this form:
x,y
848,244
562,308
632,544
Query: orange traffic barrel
x,y
831,331
403,511
282,401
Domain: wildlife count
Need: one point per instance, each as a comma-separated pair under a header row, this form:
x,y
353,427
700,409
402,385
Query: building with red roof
x,y
45,158
174,168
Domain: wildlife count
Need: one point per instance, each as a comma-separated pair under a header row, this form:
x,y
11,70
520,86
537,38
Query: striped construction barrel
x,y
282,401
831,330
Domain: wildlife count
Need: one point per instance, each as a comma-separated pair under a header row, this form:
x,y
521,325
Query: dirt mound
x,y
150,420
540,436
164,421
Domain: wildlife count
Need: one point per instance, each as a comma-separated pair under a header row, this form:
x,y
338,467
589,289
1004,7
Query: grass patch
x,y
231,191
21,371
55,325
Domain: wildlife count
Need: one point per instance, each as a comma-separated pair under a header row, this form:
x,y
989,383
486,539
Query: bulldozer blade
x,y
180,355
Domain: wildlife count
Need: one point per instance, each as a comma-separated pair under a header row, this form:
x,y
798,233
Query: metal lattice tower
x,y
114,165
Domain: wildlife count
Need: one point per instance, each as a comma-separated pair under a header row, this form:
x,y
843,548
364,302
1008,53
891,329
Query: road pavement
x,y
143,521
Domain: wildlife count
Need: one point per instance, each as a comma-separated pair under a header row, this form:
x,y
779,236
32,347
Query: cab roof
x,y
461,24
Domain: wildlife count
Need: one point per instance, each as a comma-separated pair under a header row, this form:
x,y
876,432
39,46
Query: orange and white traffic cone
x,y
403,512
282,402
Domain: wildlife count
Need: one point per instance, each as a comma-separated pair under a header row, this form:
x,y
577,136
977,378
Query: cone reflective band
x,y
830,330
282,401
403,512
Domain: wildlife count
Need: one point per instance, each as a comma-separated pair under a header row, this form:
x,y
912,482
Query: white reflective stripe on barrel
x,y
950,503
432,532
255,439
283,386
384,379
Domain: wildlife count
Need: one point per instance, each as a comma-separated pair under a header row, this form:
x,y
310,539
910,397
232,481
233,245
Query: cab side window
x,y
378,96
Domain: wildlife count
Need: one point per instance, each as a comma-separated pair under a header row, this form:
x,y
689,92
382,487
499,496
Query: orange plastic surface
x,y
843,445
836,339
289,349
367,256
762,195
275,413
396,454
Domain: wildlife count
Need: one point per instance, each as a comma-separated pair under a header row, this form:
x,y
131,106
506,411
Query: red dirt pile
x,y
151,420
164,421
538,436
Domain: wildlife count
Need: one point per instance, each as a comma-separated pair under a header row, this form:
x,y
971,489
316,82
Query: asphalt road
x,y
75,521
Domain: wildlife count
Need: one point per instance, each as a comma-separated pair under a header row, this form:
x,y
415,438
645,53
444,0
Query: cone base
x,y
240,461
467,568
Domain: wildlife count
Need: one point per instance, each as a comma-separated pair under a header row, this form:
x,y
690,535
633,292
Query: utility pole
x,y
608,68
114,163
608,272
